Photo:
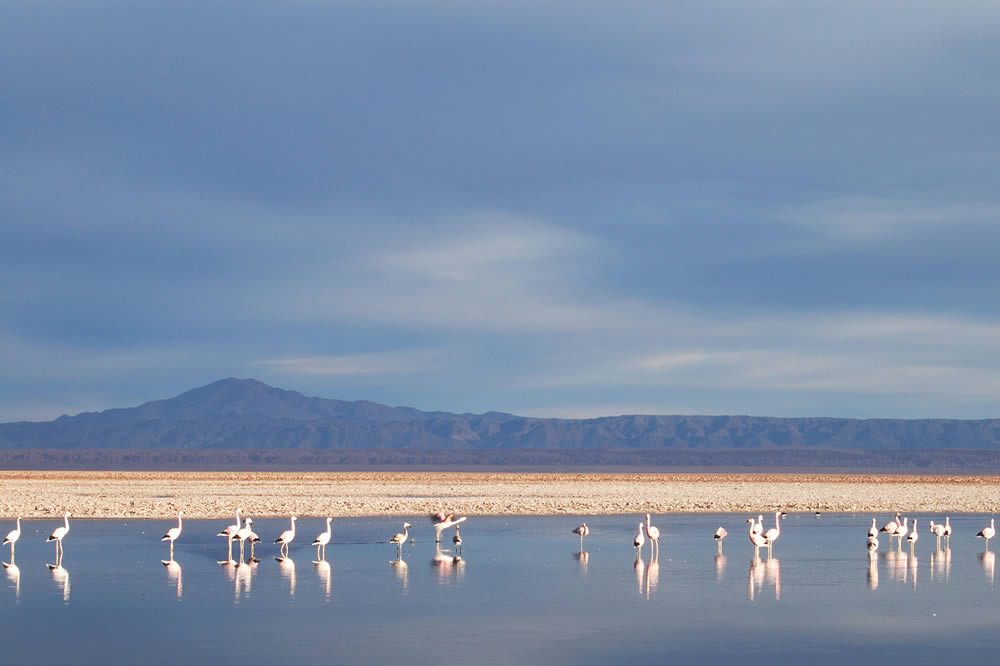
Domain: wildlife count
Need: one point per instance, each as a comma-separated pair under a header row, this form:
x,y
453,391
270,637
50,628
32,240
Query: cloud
x,y
376,363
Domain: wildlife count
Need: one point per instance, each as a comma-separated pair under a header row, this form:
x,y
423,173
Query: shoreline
x,y
138,494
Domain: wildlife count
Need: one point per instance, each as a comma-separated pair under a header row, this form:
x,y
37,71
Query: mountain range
x,y
246,414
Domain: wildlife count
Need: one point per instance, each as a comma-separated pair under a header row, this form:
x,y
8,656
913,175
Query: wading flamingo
x,y
172,535
286,538
322,539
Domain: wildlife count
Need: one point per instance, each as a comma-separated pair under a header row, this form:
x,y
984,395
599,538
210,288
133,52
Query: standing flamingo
x,y
243,535
772,534
900,532
720,534
947,530
756,538
938,531
60,532
229,533
172,535
286,538
988,532
913,536
583,531
12,538
400,538
639,541
654,537
891,527
873,531
322,539
457,541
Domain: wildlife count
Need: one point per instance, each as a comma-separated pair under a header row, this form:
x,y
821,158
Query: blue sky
x,y
563,209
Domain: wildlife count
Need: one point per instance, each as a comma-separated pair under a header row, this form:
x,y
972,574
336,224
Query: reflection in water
x,y
988,560
402,571
61,577
896,562
640,572
175,576
325,574
243,580
720,566
941,565
14,576
913,569
872,573
447,566
583,557
652,575
286,566
761,573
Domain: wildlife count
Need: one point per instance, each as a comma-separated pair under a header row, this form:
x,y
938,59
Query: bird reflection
x,y
640,572
872,573
941,564
720,566
912,562
402,571
286,566
325,574
652,575
772,575
243,581
175,576
583,557
988,560
61,577
447,566
14,576
761,573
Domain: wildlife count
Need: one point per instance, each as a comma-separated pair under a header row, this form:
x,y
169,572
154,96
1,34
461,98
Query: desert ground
x,y
36,494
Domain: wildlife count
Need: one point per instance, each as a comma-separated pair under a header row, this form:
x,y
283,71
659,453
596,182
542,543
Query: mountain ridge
x,y
248,414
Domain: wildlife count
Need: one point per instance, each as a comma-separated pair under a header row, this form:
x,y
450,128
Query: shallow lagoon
x,y
521,593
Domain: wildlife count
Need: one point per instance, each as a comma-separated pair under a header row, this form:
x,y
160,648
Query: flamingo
x,y
756,538
457,540
254,540
938,531
988,532
873,531
720,534
947,529
400,538
583,531
443,521
60,532
758,527
230,532
286,538
654,537
913,536
172,535
891,527
900,532
772,534
12,538
243,534
639,541
322,539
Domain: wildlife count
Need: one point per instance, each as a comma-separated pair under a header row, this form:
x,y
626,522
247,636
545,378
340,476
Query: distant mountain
x,y
248,414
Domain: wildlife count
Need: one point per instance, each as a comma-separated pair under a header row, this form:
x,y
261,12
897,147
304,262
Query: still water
x,y
521,593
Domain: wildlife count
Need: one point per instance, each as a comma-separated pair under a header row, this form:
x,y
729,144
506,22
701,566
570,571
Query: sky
x,y
566,209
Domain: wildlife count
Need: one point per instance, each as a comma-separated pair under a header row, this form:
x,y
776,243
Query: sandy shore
x,y
215,495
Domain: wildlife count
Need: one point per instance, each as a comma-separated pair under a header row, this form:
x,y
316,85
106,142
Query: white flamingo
x,y
322,539
772,534
12,538
254,540
243,535
758,527
639,541
457,541
443,521
286,538
172,535
873,531
947,529
720,534
400,538
583,531
988,532
654,537
938,531
756,538
900,532
913,536
230,532
891,527
59,533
